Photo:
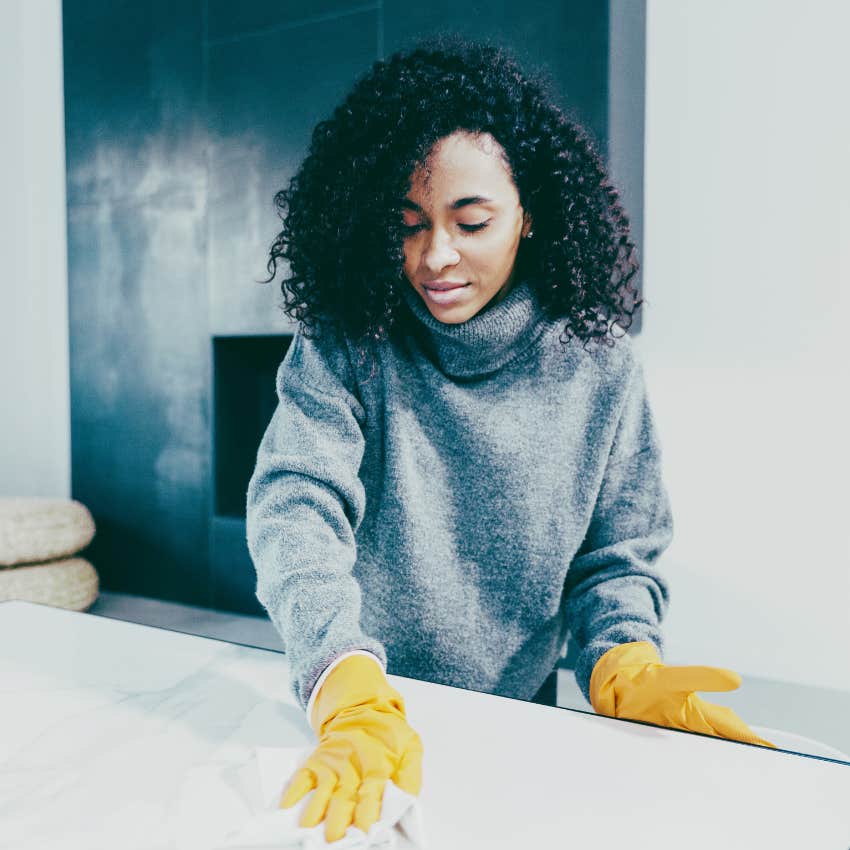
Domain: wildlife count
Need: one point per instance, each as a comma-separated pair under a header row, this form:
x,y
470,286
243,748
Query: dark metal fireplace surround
x,y
182,118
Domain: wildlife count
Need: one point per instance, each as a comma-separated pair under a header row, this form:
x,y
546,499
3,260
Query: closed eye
x,y
469,228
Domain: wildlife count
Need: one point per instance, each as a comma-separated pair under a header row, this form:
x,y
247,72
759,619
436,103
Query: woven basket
x,y
71,584
36,530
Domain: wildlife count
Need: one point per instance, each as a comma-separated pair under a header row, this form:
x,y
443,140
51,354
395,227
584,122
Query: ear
x,y
526,224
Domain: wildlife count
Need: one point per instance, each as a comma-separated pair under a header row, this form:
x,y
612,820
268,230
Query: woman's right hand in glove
x,y
364,740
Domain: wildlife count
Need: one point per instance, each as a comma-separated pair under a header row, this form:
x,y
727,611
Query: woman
x,y
463,464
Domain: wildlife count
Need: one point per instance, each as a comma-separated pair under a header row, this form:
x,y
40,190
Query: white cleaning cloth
x,y
236,808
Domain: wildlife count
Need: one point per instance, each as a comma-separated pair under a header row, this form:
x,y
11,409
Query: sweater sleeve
x,y
305,502
615,593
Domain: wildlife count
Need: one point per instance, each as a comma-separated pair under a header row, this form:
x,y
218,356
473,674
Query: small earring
x,y
529,234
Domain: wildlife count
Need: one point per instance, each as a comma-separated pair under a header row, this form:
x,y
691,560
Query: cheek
x,y
411,258
494,252
409,255
507,248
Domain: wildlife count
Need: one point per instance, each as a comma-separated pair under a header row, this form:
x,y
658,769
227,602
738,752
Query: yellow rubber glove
x,y
364,740
630,681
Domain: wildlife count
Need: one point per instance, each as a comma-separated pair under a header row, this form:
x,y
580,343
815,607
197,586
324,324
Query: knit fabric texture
x,y
460,500
33,529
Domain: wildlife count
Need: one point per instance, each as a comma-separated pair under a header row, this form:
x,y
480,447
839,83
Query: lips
x,y
454,294
443,285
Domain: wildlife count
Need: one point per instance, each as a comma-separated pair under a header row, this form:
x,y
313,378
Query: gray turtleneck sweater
x,y
460,503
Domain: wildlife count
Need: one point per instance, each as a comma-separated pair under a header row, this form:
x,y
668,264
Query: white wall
x,y
34,396
747,242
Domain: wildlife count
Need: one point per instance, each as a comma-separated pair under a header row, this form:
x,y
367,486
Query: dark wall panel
x,y
133,95
176,144
137,291
230,20
183,118
266,92
567,40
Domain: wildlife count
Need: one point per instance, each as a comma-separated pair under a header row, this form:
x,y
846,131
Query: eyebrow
x,y
455,205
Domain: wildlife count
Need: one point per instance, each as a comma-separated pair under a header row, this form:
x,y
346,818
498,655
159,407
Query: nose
x,y
439,251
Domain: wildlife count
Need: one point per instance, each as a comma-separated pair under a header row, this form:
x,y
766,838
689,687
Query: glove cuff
x,y
355,682
603,696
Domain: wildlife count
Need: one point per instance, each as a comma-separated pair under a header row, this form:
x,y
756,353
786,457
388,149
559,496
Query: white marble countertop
x,y
112,730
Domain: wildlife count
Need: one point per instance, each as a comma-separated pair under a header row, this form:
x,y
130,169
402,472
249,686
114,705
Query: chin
x,y
452,321
452,316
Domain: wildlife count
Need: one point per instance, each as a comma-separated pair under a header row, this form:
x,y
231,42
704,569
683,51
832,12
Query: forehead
x,y
463,165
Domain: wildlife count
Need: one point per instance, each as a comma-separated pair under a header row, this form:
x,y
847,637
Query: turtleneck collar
x,y
488,340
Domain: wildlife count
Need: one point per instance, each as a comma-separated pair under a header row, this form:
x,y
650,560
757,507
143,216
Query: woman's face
x,y
463,224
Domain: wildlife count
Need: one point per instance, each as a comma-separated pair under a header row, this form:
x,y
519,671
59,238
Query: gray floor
x,y
236,628
817,713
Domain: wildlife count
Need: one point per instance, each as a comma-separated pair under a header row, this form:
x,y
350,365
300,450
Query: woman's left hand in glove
x,y
630,681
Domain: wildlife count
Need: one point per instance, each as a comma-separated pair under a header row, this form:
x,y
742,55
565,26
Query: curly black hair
x,y
342,216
